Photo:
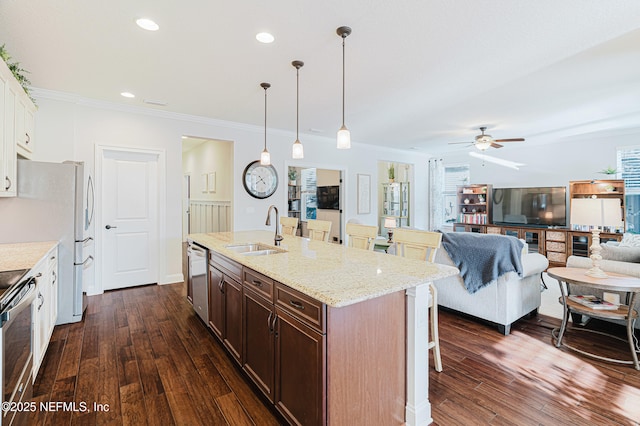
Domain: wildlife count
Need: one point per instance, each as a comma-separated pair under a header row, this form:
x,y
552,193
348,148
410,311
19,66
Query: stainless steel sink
x,y
254,249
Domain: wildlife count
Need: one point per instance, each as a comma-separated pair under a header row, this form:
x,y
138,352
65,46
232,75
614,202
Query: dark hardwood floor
x,y
144,353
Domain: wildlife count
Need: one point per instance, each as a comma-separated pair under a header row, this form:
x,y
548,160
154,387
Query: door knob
x,y
109,227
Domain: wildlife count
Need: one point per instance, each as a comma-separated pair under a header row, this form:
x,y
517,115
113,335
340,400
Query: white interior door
x,y
129,219
186,206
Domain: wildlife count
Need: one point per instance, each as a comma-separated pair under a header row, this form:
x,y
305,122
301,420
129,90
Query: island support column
x,y
418,407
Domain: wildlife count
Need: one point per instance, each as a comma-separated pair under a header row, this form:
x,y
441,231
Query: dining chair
x,y
289,225
361,236
422,245
319,229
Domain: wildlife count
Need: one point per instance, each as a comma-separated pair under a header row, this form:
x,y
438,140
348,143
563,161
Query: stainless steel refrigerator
x,y
56,202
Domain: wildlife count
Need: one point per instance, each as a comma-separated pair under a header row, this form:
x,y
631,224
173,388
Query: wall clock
x,y
260,181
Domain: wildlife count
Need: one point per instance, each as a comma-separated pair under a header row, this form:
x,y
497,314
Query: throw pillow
x,y
620,254
630,240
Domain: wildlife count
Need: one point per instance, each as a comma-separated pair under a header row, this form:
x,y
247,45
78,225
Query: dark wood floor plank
x,y
133,408
232,410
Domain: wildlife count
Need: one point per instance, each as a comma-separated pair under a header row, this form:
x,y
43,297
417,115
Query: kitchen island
x,y
359,352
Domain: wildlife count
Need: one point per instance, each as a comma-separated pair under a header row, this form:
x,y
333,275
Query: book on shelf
x,y
593,302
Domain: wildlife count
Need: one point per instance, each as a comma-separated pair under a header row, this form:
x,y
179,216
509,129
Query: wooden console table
x,y
615,282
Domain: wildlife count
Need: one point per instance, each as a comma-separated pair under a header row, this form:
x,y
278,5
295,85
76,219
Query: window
x,y
628,168
308,194
454,176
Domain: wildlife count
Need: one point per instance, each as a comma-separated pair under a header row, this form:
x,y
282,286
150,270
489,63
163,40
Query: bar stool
x,y
422,245
289,225
319,229
361,236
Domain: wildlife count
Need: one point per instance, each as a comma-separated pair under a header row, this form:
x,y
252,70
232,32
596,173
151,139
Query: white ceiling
x,y
419,73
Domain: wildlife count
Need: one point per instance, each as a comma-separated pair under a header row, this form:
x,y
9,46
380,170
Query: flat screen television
x,y
535,207
328,197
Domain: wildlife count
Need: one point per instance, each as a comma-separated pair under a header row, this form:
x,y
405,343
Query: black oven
x,y
17,352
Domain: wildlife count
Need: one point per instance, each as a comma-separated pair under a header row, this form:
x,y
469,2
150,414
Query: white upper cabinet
x,y
17,125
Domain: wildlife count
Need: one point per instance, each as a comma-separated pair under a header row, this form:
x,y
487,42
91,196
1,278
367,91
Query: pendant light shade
x,y
297,150
265,157
344,136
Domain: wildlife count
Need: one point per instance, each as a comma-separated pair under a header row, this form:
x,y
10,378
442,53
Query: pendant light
x,y
297,150
344,136
265,157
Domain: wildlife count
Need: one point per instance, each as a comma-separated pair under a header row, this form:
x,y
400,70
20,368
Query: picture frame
x,y
211,180
204,182
364,194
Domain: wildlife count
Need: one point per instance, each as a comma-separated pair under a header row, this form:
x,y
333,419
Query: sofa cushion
x,y
630,240
620,253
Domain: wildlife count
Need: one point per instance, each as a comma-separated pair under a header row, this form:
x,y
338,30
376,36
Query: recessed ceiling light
x,y
265,38
147,24
128,95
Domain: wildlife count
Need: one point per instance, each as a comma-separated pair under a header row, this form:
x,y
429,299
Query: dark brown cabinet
x,y
225,303
300,376
312,361
284,351
258,337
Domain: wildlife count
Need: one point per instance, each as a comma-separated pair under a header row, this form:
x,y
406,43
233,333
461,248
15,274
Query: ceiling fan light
x,y
344,138
483,142
297,150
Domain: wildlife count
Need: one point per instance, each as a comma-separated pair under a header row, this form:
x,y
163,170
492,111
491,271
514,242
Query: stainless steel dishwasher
x,y
197,275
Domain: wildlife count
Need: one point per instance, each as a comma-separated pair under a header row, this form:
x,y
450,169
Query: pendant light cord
x,y
343,78
265,118
297,101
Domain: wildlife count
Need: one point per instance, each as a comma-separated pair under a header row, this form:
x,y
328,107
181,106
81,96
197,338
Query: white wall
x,y
69,128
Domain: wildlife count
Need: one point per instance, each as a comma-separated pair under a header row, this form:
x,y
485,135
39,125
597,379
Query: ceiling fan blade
x,y
457,143
496,145
509,140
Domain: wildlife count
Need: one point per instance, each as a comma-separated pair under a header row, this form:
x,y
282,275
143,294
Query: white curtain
x,y
436,194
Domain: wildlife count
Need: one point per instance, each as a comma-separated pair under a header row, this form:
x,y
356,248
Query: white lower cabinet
x,y
45,306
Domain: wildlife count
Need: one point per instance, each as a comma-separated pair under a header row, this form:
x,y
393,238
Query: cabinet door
x,y
232,336
216,301
29,127
258,350
9,179
300,375
53,290
41,318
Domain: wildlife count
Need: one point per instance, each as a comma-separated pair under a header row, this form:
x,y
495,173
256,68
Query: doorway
x,y
316,193
207,187
129,214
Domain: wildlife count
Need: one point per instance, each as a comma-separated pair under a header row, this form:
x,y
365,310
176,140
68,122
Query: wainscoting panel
x,y
209,216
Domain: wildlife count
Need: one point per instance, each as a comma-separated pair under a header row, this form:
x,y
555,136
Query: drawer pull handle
x,y
257,283
296,304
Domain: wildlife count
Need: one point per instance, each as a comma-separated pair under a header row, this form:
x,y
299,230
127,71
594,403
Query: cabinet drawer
x,y
259,283
556,236
227,266
556,246
556,257
301,306
494,230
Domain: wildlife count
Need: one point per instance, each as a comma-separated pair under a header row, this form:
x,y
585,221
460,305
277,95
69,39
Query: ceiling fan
x,y
484,141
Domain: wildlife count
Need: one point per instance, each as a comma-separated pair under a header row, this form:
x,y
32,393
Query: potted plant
x,y
17,71
293,175
392,173
608,171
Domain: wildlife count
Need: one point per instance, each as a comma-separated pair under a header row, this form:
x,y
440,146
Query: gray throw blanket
x,y
482,258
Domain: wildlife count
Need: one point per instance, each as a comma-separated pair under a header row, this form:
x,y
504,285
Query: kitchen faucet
x,y
278,237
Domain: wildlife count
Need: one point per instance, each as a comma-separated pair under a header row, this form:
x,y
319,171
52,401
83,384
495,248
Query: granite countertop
x,y
333,274
23,255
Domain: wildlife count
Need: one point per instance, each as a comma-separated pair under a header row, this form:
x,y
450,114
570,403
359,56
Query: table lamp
x,y
390,224
596,212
